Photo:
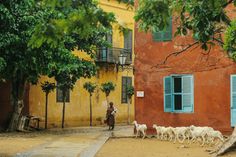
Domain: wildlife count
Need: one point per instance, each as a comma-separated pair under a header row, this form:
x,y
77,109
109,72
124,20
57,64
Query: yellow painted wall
x,y
77,110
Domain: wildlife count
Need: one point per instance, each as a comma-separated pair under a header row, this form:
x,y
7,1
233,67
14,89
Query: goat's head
x,y
154,126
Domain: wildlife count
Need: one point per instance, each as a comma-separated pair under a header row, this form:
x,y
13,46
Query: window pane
x,y
126,82
178,102
60,96
177,85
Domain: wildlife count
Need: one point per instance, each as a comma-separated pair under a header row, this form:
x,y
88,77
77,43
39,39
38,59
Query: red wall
x,y
211,72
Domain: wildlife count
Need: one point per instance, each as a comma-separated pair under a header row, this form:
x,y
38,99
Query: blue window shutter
x,y
233,99
157,36
167,34
233,89
168,94
187,93
164,35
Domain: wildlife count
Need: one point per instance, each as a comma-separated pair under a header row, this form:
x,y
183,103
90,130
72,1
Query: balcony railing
x,y
111,55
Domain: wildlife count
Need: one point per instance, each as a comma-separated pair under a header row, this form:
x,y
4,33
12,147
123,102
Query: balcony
x,y
111,55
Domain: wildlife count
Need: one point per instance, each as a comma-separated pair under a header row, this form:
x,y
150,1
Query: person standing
x,y
110,116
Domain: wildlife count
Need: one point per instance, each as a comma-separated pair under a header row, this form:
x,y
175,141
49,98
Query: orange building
x,y
193,88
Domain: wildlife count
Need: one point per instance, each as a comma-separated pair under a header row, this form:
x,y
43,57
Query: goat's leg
x,y
144,134
193,139
176,136
203,141
182,139
170,137
136,134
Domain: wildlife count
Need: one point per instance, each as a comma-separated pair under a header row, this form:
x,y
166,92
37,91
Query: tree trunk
x,y
107,101
18,88
228,144
63,110
90,99
129,102
46,111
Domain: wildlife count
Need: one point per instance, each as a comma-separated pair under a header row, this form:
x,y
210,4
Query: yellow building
x,y
77,107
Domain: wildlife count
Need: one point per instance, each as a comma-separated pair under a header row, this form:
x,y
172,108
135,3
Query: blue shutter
x,y
167,34
187,93
233,100
157,36
168,94
164,35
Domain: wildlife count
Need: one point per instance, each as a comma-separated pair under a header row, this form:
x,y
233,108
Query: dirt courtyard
x,y
131,147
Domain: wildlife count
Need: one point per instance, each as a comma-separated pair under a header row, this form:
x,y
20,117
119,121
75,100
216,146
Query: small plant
x,y
130,91
47,87
107,88
90,87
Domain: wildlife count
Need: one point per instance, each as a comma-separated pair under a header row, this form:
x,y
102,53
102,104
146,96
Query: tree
x,y
90,87
36,37
67,69
130,93
47,87
205,21
19,63
107,87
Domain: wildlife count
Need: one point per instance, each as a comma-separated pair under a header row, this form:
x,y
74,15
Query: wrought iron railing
x,y
111,55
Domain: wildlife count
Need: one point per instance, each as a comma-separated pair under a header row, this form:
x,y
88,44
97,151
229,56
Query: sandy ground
x,y
131,147
12,144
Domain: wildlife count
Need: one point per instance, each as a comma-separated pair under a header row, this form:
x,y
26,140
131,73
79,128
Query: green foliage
x,y
152,14
107,87
230,40
37,38
2,64
90,87
130,91
73,24
204,20
128,2
48,87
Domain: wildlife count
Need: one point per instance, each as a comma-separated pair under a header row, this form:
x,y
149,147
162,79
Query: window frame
x,y
59,93
128,38
172,93
161,34
122,88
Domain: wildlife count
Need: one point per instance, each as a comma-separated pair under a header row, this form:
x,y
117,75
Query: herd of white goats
x,y
206,135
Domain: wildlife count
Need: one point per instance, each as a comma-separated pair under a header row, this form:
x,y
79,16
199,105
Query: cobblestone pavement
x,y
68,142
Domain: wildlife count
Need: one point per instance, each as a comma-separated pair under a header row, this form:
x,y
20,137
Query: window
x,y
178,93
60,97
105,52
128,43
165,35
126,82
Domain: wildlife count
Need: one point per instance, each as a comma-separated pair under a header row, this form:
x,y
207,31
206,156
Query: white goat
x,y
181,131
158,130
212,135
140,128
199,132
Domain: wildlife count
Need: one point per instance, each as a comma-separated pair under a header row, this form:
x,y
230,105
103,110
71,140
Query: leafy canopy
x,y
205,21
37,37
48,87
75,24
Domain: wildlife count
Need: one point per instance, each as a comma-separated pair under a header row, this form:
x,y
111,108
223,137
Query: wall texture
x,y
211,71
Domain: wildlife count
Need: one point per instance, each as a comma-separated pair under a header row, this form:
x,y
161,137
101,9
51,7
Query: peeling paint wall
x,y
211,71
